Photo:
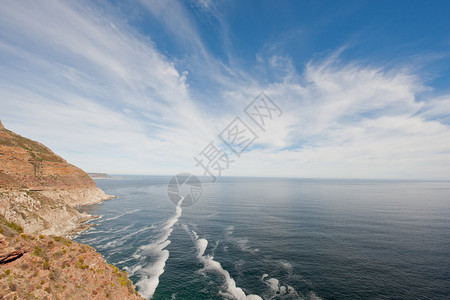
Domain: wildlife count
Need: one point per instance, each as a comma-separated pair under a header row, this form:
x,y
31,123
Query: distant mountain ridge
x,y
99,175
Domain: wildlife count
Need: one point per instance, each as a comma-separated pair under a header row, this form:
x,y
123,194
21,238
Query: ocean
x,y
278,238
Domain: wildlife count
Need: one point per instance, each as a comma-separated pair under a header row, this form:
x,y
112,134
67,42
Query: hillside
x,y
39,193
39,190
45,267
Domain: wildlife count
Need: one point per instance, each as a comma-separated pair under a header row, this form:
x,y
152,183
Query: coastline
x,y
53,259
51,212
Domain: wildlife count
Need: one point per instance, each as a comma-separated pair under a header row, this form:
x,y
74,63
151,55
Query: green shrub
x,y
38,251
46,265
14,226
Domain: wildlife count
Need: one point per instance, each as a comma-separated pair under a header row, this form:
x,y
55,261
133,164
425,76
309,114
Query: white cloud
x,y
78,78
68,76
354,121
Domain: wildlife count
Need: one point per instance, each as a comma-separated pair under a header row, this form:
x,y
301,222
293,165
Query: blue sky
x,y
141,87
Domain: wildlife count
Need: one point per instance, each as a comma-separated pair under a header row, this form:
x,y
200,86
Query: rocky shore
x,y
39,190
49,212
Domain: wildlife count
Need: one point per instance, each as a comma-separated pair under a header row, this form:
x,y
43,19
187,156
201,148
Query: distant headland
x,y
100,175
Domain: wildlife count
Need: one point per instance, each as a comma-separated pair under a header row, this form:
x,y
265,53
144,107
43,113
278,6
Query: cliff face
x,y
39,189
28,164
38,193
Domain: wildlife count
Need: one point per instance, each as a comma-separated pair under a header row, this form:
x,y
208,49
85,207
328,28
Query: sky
x,y
147,87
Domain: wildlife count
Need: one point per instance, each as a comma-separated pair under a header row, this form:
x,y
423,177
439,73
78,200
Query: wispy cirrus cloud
x,y
79,78
350,120
104,86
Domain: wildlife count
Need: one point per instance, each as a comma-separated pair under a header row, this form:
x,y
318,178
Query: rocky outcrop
x,y
44,267
9,254
39,190
37,213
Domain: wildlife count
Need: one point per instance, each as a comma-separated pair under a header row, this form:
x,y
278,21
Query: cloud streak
x,y
79,78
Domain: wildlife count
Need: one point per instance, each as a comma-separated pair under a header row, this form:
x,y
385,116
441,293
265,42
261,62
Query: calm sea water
x,y
255,238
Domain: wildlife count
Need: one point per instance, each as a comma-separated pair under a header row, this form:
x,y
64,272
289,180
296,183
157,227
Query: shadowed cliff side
x,y
39,189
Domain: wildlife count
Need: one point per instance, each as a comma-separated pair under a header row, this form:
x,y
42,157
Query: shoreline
x,y
52,212
83,226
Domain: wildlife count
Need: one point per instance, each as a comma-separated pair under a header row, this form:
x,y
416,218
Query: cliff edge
x,y
39,190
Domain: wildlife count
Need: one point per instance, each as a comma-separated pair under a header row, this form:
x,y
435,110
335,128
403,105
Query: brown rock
x,y
38,194
30,165
10,256
57,268
39,189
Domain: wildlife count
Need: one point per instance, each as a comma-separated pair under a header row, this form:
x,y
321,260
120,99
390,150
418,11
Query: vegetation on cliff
x,y
39,189
38,194
40,267
26,164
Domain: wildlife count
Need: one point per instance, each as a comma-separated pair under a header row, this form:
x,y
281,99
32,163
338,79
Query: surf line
x,y
156,250
209,264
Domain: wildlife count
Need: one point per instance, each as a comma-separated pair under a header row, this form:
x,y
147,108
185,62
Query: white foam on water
x,y
209,264
229,230
150,273
94,219
278,291
122,229
274,285
139,231
112,239
121,215
132,271
313,296
240,242
123,261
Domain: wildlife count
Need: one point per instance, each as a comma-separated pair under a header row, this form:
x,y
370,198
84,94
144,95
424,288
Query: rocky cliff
x,y
38,194
39,190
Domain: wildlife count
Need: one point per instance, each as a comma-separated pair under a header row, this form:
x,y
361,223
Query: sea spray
x,y
156,250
